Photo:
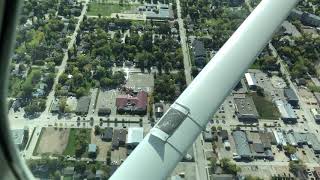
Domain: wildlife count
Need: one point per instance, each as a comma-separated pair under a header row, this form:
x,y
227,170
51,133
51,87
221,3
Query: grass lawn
x,y
266,109
106,9
73,140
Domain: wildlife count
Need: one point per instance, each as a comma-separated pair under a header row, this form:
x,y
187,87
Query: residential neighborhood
x,y
90,78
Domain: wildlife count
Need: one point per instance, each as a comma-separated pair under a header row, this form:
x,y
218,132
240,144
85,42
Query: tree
x,y
290,149
296,167
229,167
97,130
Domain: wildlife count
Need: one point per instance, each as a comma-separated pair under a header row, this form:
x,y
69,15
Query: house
x,y
132,104
135,136
55,108
104,111
246,109
224,135
68,171
119,138
158,109
92,150
83,105
107,134
199,53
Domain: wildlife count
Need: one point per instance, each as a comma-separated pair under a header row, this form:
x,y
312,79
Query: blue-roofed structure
x,y
242,145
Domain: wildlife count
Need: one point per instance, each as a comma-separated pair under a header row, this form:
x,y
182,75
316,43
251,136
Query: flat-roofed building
x,y
251,81
118,138
286,111
135,136
246,109
242,145
316,114
292,97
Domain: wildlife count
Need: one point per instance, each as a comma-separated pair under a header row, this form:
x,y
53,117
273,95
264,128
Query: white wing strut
x,y
165,145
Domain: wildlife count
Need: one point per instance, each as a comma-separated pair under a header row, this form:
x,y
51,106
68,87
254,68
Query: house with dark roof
x,y
107,134
199,53
83,105
119,138
132,104
104,111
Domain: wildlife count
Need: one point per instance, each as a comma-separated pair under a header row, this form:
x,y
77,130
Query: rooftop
x,y
285,110
92,148
135,135
246,106
290,94
241,143
251,80
83,104
133,103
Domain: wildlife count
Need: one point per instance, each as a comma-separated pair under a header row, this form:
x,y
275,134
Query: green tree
x,y
229,167
290,149
97,130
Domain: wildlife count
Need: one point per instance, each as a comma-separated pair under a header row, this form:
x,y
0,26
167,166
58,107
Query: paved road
x,y
33,142
200,159
185,49
272,163
63,65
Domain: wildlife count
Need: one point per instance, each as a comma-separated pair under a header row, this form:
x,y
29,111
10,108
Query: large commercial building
x,y
292,97
286,111
242,145
251,80
316,114
132,104
307,139
156,11
246,109
135,136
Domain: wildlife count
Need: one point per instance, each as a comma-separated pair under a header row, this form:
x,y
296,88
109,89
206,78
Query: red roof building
x,y
133,104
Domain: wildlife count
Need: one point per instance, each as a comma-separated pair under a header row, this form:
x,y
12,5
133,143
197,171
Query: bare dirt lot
x,y
53,141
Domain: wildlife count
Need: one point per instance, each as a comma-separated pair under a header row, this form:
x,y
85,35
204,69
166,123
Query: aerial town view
x,y
90,78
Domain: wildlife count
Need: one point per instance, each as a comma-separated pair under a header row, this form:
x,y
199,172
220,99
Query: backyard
x,y
77,142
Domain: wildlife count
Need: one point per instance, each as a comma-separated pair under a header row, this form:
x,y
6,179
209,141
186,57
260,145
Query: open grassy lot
x,y
266,109
106,9
78,141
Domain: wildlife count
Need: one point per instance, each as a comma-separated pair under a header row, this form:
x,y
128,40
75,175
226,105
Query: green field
x,y
76,136
106,9
266,109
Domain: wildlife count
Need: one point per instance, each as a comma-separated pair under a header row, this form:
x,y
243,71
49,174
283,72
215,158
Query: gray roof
x,y
246,107
92,148
83,104
68,171
290,94
18,136
241,143
108,133
258,147
285,110
222,177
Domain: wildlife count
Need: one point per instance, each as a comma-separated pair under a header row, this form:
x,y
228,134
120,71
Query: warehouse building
x,y
291,140
251,81
316,115
246,109
135,136
242,145
286,111
307,139
280,138
292,97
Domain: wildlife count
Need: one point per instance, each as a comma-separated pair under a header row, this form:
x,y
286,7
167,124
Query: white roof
x,y
250,79
315,113
135,135
285,109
